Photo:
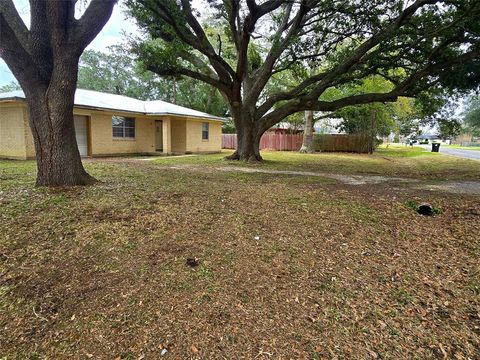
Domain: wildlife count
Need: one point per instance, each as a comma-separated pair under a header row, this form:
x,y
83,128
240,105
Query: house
x,y
427,138
285,127
110,125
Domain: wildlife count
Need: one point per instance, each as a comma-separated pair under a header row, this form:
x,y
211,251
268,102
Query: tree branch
x,y
278,47
17,58
92,22
220,65
255,13
190,73
10,15
232,18
406,88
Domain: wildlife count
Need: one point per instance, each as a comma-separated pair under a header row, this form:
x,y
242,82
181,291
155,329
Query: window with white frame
x,y
123,127
205,131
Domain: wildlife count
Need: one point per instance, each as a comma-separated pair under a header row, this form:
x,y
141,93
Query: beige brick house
x,y
108,125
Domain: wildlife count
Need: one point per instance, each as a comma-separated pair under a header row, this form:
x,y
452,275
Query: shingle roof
x,y
99,100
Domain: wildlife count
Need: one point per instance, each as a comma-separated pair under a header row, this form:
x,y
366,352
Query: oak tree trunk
x,y
248,138
307,145
52,125
44,59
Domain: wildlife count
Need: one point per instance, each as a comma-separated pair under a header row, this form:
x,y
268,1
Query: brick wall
x,y
194,136
12,131
16,139
103,142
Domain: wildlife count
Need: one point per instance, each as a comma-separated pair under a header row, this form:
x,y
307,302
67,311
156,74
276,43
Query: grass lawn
x,y
290,267
400,161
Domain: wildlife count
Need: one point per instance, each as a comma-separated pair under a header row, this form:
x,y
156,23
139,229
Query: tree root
x,y
248,158
234,156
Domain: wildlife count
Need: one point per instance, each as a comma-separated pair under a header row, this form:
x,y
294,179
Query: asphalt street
x,y
466,154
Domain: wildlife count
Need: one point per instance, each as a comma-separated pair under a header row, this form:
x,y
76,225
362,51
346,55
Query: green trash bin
x,y
435,147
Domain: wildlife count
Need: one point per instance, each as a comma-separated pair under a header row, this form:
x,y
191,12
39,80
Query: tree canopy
x,y
115,71
414,45
472,115
13,85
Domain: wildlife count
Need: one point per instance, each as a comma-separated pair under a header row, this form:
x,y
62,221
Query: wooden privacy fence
x,y
270,141
282,142
229,141
360,143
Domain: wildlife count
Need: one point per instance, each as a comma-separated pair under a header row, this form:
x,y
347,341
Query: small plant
x,y
34,356
437,211
402,296
411,204
474,287
206,272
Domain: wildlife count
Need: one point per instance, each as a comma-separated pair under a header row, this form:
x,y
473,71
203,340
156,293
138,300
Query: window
x,y
205,131
123,127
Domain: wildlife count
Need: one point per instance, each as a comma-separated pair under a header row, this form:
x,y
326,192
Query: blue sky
x,y
111,34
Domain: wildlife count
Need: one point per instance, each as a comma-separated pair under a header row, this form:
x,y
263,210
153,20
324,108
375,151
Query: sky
x,y
111,34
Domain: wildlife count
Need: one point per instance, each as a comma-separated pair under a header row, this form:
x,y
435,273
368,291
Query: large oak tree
x,y
415,45
44,59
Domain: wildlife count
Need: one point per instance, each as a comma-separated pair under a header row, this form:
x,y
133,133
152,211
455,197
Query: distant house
x,y
426,138
285,127
107,124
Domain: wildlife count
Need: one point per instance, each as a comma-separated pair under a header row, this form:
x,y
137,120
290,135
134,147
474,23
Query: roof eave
x,y
88,107
13,98
214,118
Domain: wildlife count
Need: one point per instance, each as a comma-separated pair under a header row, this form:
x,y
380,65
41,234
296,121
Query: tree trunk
x,y
174,94
307,145
372,132
44,59
211,95
53,130
248,138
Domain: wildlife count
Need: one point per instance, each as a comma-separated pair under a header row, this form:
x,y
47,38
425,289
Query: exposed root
x,y
248,158
234,156
306,150
254,159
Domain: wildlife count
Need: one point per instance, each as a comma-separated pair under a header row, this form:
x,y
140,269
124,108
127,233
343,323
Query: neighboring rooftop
x,y
428,137
99,100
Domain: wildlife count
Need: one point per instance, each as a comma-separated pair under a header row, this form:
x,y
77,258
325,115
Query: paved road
x,y
467,154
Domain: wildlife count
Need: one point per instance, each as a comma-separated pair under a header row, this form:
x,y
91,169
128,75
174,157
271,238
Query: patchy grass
x,y
414,162
290,267
395,151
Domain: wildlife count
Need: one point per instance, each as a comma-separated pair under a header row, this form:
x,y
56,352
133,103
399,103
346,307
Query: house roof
x,y
428,137
99,100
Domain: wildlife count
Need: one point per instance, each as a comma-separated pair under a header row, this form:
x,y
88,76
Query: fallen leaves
x,y
110,271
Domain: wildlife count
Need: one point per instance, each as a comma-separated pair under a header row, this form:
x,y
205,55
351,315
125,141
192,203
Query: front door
x,y
81,134
159,135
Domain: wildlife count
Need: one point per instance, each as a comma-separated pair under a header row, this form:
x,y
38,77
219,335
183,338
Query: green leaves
x,y
472,114
117,72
